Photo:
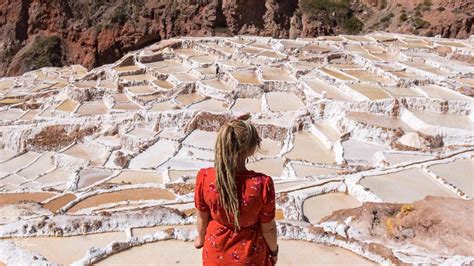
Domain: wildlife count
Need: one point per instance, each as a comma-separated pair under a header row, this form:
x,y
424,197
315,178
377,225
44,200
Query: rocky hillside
x,y
38,33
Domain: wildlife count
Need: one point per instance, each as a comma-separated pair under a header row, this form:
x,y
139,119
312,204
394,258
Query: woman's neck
x,y
241,165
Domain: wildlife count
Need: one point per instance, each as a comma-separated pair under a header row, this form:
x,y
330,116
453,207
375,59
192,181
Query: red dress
x,y
223,245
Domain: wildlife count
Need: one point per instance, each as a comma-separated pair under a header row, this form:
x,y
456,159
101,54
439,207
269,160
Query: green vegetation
x,y
384,4
45,51
387,18
419,23
340,10
352,25
403,17
313,6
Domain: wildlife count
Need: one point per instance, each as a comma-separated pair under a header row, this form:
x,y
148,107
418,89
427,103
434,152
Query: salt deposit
x,y
100,167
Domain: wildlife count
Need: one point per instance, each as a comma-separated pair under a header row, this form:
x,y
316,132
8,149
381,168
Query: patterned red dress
x,y
223,245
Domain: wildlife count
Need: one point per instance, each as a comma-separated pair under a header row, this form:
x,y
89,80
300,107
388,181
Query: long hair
x,y
234,139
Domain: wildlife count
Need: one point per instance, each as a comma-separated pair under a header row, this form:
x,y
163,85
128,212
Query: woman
x,y
235,207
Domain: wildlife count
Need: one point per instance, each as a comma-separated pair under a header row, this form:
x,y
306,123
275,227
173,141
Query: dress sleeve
x,y
267,214
199,202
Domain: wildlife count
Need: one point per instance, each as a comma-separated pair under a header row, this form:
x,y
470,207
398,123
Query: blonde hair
x,y
233,140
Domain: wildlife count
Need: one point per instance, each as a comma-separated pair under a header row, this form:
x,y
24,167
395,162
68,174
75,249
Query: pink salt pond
x,y
11,198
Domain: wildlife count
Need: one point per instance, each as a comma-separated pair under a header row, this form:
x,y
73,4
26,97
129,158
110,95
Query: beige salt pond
x,y
137,177
317,207
246,77
217,84
282,102
187,99
162,106
445,120
11,114
123,195
55,176
269,147
308,147
83,152
66,250
303,170
355,150
378,120
92,108
336,74
405,186
68,106
366,76
459,173
278,74
271,167
396,158
179,252
330,92
371,91
251,105
437,92
165,252
211,105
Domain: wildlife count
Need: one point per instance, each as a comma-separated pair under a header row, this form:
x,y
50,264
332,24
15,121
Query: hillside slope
x,y
38,33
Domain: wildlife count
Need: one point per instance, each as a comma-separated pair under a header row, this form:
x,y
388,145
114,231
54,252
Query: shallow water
x,y
320,206
308,147
405,186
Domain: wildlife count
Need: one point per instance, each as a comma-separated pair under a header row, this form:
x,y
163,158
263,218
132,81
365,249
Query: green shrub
x,y
352,25
313,6
119,16
419,23
45,51
403,17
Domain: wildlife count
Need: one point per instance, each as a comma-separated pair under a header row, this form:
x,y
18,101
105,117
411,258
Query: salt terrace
x,y
99,166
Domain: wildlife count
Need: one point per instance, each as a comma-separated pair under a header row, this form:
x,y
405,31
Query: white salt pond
x,y
317,207
405,186
201,139
155,155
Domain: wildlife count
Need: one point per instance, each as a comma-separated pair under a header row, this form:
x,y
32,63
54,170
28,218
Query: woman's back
x,y
224,243
256,196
